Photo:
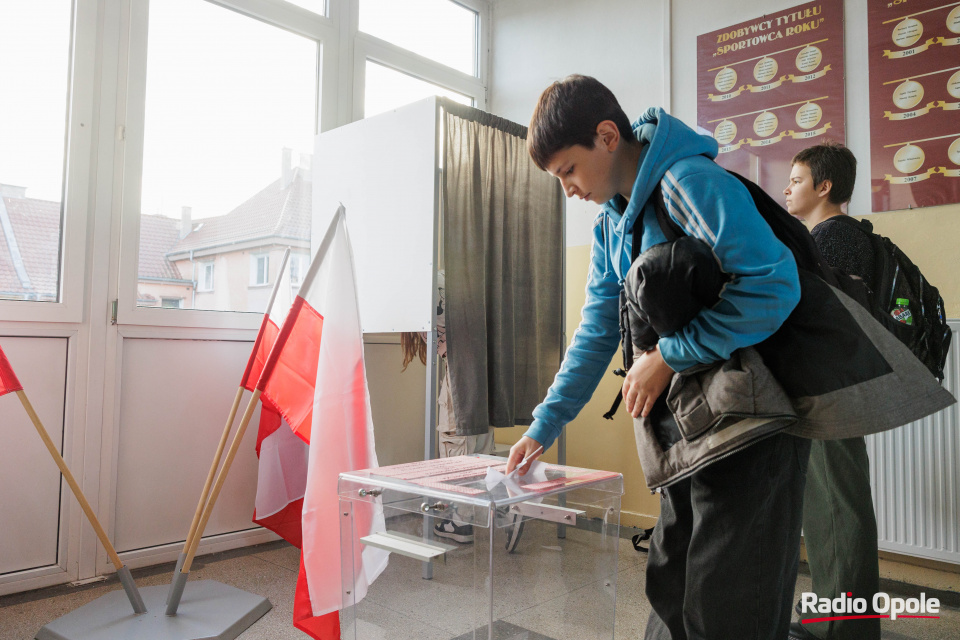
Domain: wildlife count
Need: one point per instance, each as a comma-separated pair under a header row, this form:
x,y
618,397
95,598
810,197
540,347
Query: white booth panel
x,y
396,401
175,397
30,479
384,171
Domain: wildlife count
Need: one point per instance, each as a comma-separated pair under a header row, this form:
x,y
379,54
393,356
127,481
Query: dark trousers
x,y
723,557
840,533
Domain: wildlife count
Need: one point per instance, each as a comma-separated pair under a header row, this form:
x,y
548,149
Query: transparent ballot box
x,y
451,549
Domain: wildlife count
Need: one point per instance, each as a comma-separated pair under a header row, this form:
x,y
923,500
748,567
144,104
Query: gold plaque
x,y
953,20
725,132
765,124
953,84
765,70
908,94
809,58
908,158
907,32
726,80
953,151
809,115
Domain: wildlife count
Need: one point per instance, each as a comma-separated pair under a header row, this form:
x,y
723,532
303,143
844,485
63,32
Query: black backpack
x,y
928,337
895,277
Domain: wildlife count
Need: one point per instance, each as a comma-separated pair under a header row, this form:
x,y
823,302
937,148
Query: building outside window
x,y
243,189
34,64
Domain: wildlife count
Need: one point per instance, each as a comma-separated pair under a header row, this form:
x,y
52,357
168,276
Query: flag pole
x,y
180,580
194,524
125,578
210,475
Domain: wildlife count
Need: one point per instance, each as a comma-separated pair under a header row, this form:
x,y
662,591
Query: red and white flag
x,y
282,471
315,378
8,379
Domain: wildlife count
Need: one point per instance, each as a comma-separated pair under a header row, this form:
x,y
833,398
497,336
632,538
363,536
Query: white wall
x,y
535,42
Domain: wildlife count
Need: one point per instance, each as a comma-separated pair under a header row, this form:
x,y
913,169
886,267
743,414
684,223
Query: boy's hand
x,y
524,447
645,381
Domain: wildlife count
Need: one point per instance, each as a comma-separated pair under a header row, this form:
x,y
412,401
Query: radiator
x,y
915,477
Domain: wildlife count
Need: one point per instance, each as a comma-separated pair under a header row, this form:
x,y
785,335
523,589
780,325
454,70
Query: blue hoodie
x,y
709,204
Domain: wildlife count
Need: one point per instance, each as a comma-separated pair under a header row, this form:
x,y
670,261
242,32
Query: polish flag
x,y
8,379
315,378
282,471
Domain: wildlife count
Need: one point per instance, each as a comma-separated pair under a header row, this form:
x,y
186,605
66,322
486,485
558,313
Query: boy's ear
x,y
608,135
823,189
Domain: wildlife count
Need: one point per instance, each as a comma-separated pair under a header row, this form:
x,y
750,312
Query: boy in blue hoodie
x,y
723,559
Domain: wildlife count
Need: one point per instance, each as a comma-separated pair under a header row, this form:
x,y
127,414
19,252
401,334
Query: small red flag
x,y
8,379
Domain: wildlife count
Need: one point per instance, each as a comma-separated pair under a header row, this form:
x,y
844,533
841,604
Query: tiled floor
x,y
409,607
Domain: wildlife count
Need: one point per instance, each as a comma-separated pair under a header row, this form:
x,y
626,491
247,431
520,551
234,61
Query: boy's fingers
x,y
513,459
648,406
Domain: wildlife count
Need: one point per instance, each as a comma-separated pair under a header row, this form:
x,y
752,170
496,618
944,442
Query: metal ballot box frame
x,y
542,564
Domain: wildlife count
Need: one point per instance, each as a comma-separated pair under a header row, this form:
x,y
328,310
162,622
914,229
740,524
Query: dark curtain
x,y
503,252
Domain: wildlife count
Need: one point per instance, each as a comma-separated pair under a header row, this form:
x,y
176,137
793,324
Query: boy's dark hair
x,y
834,162
568,113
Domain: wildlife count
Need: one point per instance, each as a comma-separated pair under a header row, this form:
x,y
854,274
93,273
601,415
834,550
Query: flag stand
x,y
129,587
180,578
211,610
208,609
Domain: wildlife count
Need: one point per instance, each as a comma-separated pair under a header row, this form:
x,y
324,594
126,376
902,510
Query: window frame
x,y
342,55
289,17
205,267
255,259
76,198
373,49
302,260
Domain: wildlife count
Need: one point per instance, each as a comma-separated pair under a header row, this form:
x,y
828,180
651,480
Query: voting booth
x,y
431,187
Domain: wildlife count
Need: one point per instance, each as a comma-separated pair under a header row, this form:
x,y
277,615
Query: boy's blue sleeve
x,y
714,206
594,343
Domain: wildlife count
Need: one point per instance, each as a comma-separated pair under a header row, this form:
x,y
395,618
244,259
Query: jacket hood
x,y
666,141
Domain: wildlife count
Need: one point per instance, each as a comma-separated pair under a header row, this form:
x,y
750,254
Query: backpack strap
x,y
672,231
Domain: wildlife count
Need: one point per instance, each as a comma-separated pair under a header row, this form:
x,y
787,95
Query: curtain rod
x,y
482,117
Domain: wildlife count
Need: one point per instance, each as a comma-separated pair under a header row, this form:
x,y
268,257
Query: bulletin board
x,y
770,87
914,103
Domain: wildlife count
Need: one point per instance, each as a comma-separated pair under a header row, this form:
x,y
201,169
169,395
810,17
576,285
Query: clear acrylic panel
x,y
34,64
537,557
441,30
231,111
387,89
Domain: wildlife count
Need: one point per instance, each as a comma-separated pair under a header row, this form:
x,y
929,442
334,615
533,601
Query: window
x,y
205,277
388,89
171,303
34,64
230,112
440,30
259,270
299,263
223,101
